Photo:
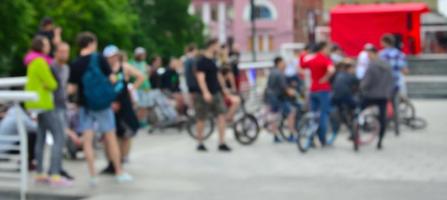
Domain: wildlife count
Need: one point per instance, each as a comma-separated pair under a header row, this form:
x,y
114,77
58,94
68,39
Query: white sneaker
x,y
92,182
124,177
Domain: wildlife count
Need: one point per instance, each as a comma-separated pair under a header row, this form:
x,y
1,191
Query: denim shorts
x,y
102,121
145,98
277,105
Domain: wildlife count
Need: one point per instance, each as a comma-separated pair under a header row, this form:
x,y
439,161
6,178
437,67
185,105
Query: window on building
x,y
230,13
262,12
261,43
214,13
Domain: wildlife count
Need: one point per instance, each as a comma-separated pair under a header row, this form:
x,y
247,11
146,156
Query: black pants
x,y
381,103
31,145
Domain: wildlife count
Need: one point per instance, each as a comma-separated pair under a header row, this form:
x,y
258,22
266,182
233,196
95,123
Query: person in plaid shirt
x,y
398,63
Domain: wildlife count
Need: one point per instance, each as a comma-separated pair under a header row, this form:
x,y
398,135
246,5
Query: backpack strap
x,y
93,60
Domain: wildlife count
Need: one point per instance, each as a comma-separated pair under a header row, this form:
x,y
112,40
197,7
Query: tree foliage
x,y
166,26
163,27
17,18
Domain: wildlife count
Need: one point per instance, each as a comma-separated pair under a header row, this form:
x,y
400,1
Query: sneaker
x,y
276,139
379,146
66,175
143,124
224,148
124,177
59,181
31,166
291,138
41,178
331,140
109,170
351,138
92,182
202,148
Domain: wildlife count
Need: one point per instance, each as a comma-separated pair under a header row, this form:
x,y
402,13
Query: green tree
x,y
163,27
16,26
113,21
166,26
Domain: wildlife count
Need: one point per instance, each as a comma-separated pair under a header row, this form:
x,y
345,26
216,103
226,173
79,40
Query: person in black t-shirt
x,y
91,121
209,99
170,80
53,33
171,84
156,72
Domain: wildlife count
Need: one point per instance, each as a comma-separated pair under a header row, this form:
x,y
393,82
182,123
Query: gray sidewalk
x,y
166,166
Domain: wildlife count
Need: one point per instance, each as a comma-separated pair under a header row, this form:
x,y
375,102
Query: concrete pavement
x,y
166,166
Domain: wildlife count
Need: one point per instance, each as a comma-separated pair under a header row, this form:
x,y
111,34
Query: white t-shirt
x,y
362,64
292,68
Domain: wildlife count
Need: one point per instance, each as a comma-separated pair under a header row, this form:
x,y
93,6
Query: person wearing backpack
x,y
91,82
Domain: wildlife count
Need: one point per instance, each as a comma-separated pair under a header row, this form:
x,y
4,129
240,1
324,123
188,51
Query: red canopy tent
x,y
352,26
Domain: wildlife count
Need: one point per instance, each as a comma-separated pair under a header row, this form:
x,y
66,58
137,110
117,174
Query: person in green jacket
x,y
41,80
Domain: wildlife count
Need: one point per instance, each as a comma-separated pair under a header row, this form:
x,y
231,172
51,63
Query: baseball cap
x,y
139,50
370,47
110,51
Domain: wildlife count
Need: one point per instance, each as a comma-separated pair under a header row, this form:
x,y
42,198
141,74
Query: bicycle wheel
x,y
406,110
306,133
355,134
417,123
366,129
208,130
246,130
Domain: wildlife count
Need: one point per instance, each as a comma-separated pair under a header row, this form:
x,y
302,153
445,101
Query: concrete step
x,y
428,65
427,86
14,195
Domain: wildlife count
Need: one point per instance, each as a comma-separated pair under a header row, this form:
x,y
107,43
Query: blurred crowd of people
x,y
102,95
338,82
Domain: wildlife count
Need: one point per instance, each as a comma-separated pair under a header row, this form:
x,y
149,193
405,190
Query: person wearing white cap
x,y
143,91
125,118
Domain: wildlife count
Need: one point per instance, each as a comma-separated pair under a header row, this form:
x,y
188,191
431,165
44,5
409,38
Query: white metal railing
x,y
16,97
12,82
255,65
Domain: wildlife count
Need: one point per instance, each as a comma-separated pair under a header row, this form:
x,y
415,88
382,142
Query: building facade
x,y
276,21
216,15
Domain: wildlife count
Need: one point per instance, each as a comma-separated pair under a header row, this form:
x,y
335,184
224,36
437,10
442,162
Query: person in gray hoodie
x,y
376,88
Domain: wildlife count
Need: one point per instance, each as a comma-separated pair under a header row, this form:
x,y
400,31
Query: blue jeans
x,y
321,102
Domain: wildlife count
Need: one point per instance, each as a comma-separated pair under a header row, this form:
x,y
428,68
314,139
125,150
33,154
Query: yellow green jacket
x,y
41,80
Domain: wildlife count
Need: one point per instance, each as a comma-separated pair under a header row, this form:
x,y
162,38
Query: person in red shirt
x,y
321,70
